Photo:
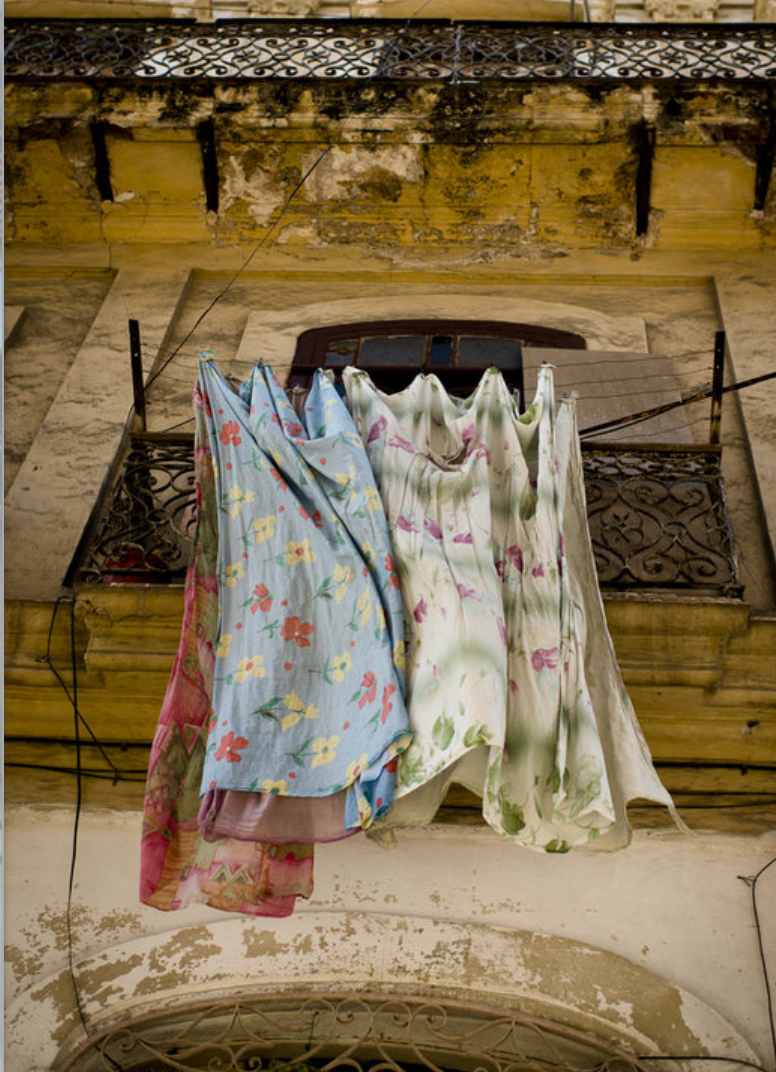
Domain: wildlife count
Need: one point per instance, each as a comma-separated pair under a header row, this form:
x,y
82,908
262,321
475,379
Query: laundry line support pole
x,y
136,363
717,382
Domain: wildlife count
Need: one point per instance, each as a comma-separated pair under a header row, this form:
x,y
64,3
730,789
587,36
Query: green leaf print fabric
x,y
512,685
308,689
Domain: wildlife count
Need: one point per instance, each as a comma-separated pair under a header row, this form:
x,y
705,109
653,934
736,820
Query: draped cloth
x,y
512,683
308,712
178,867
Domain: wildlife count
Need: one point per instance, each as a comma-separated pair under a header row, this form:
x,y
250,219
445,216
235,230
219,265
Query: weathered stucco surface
x,y
653,949
54,316
498,202
478,172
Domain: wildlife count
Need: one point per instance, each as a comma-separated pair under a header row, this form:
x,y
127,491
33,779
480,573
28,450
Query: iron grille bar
x,y
239,50
356,1031
657,516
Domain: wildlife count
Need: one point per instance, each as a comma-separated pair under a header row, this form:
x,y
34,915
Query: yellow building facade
x,y
231,186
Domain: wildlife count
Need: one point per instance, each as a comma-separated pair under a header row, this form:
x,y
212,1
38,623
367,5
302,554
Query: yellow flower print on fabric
x,y
247,668
324,751
356,768
369,553
299,552
239,499
279,787
399,660
233,574
264,528
398,746
340,666
296,710
346,480
364,812
365,606
224,642
380,615
372,498
343,575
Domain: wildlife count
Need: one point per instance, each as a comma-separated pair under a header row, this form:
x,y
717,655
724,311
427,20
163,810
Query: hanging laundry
x,y
512,684
308,710
178,867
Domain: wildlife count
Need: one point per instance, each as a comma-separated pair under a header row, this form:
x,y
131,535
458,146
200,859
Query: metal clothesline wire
x,y
637,418
631,419
189,379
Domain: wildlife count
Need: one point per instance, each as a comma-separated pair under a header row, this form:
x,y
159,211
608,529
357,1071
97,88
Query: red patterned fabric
x,y
178,867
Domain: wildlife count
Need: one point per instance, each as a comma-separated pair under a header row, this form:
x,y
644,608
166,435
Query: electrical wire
x,y
637,418
85,772
752,883
392,44
76,823
702,1057
47,659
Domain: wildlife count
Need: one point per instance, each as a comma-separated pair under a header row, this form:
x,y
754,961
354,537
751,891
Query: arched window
x,y
394,351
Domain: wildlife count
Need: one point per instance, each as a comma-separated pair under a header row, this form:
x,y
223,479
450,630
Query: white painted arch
x,y
607,998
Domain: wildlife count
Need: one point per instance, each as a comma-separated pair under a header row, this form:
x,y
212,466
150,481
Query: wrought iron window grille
x,y
426,50
298,1032
657,516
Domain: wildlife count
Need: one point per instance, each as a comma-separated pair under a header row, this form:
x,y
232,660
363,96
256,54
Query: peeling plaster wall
x,y
472,173
489,918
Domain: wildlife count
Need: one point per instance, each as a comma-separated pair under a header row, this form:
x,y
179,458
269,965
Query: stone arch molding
x,y
597,996
272,334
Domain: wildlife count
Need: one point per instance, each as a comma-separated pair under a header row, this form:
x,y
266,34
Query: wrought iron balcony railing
x,y
425,50
657,518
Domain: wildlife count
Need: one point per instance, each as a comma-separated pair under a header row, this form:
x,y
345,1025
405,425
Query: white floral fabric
x,y
512,684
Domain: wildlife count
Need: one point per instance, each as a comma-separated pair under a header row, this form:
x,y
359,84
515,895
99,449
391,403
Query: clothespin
x,y
207,355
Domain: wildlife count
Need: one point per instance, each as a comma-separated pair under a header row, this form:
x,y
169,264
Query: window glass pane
x,y
406,350
441,349
341,352
483,352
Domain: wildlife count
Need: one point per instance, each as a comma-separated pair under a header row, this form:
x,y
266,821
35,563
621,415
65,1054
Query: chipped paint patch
x,y
262,943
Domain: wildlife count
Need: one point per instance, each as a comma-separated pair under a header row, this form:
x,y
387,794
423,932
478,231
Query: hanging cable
x,y
76,822
647,414
47,659
392,45
752,883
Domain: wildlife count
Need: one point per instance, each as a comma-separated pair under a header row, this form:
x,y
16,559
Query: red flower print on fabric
x,y
263,599
315,518
390,565
228,748
298,631
369,683
376,430
388,692
276,476
230,433
515,556
545,658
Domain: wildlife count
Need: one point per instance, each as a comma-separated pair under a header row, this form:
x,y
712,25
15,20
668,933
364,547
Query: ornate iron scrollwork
x,y
144,536
657,518
259,49
362,1033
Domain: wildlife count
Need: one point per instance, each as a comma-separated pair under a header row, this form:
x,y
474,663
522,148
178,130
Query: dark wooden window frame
x,y
313,346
